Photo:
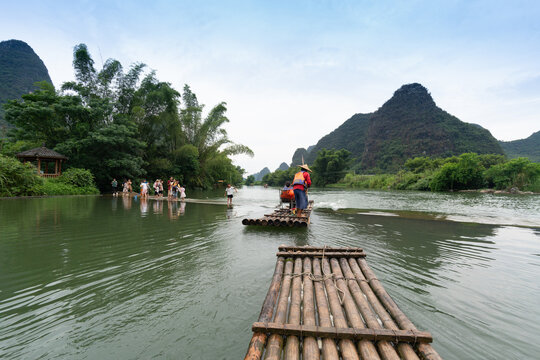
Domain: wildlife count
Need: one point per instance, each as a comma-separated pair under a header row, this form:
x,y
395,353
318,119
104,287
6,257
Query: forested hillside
x,y
529,147
20,68
408,125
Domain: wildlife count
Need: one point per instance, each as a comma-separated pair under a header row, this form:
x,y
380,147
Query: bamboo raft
x,y
327,301
283,217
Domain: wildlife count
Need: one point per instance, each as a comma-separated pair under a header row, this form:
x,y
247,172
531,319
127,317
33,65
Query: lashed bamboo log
x,y
425,350
319,254
292,346
329,348
351,291
366,349
346,346
258,341
406,350
275,342
310,348
343,333
319,248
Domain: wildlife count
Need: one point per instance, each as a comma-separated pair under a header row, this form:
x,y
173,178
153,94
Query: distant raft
x,y
283,217
327,301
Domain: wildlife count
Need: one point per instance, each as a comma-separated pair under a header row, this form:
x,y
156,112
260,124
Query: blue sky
x,y
307,66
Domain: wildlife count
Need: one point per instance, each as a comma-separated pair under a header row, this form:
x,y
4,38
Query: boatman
x,y
301,183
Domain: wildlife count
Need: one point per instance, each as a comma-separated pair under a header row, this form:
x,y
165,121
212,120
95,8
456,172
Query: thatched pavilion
x,y
43,158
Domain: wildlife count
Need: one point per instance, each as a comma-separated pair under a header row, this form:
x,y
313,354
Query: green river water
x,y
113,278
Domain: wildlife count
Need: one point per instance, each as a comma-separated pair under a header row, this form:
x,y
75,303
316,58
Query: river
x,y
116,278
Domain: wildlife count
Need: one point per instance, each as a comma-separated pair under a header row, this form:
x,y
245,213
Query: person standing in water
x,y
114,185
229,191
182,193
301,183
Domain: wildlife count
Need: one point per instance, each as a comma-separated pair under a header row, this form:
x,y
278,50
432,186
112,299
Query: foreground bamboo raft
x,y
327,301
283,217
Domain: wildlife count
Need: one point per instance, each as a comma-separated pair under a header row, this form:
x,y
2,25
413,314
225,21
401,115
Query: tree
x,y
116,125
250,180
208,135
519,173
329,166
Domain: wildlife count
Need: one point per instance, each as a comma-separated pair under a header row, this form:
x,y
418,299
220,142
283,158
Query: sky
x,y
293,71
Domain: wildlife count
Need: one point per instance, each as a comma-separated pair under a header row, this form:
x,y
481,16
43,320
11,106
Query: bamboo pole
x,y
346,346
366,349
425,350
292,346
319,248
329,348
386,349
310,347
406,350
256,345
275,342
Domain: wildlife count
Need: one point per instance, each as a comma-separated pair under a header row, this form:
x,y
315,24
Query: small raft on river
x,y
327,301
283,217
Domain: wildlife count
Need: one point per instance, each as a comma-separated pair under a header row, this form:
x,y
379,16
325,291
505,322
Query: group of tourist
x,y
174,189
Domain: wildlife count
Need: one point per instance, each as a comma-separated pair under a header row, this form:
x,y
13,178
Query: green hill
x,y
408,125
258,176
529,147
20,68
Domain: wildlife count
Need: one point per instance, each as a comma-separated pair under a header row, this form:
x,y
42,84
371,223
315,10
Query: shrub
x,y
445,178
57,187
78,177
520,173
18,179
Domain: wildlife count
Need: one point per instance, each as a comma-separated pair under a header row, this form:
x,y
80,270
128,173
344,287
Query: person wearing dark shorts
x,y
229,192
114,185
301,183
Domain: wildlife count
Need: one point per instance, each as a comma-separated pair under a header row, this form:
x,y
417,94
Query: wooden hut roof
x,y
41,152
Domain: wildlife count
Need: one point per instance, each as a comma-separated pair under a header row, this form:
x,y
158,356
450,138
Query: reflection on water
x,y
95,277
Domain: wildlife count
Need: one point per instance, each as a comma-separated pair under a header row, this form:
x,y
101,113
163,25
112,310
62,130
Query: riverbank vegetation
x,y
465,172
125,124
18,179
468,171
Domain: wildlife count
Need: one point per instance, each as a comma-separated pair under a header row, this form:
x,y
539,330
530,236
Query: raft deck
x,y
283,217
327,301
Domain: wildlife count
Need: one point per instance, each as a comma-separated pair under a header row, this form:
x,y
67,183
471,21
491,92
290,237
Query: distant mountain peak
x,y
20,68
410,95
409,124
15,44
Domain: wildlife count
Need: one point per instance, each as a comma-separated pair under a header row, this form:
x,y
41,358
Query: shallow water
x,y
103,277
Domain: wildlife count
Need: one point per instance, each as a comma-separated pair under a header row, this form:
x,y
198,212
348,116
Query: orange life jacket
x,y
299,179
287,194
